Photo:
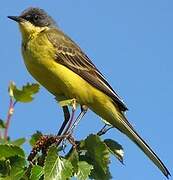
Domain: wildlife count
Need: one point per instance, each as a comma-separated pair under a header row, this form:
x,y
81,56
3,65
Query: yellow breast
x,y
39,56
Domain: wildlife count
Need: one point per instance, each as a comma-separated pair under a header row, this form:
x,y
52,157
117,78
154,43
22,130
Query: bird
x,y
63,68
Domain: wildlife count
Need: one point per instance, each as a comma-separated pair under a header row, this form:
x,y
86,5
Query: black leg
x,y
71,118
68,125
66,119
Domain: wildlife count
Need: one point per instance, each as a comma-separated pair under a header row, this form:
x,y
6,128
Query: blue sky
x,y
131,43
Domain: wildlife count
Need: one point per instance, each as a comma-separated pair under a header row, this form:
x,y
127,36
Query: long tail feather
x,y
127,129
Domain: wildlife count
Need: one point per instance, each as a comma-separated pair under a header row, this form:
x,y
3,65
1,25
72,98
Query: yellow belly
x,y
61,81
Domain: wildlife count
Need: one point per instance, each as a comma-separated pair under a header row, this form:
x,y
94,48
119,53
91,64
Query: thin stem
x,y
77,120
9,115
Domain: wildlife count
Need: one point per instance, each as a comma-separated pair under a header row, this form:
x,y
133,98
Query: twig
x,y
45,142
9,115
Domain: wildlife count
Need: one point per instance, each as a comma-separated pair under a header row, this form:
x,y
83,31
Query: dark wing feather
x,y
70,55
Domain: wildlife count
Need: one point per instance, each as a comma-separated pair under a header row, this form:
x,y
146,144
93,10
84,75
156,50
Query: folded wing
x,y
70,55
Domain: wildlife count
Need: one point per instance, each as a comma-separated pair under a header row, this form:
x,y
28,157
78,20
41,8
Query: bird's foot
x,y
104,130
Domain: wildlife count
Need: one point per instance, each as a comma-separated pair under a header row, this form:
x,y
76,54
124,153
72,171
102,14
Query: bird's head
x,y
33,20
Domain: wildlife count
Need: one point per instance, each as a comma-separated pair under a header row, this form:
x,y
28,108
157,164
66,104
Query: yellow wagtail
x,y
59,64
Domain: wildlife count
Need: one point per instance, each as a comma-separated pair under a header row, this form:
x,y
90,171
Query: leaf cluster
x,y
88,159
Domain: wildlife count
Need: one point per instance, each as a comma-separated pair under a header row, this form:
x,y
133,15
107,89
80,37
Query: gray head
x,y
38,17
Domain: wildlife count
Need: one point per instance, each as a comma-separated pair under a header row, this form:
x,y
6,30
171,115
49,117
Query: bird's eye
x,y
36,17
27,17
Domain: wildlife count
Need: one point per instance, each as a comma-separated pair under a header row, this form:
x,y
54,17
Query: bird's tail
x,y
127,129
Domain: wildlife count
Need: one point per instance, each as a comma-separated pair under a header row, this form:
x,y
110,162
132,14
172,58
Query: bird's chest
x,y
39,57
37,50
40,60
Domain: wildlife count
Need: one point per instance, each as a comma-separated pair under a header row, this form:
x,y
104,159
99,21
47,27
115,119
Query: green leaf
x,y
35,137
25,94
18,142
66,102
3,141
17,168
84,170
2,124
74,159
96,153
36,172
7,150
5,167
56,167
115,148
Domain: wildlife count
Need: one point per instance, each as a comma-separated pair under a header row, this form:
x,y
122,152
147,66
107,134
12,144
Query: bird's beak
x,y
15,18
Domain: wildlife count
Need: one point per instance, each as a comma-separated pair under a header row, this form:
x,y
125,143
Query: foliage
x,y
87,158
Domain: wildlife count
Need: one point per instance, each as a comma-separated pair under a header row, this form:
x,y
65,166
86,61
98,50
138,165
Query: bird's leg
x,y
72,125
72,117
67,134
104,130
66,119
67,122
84,109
